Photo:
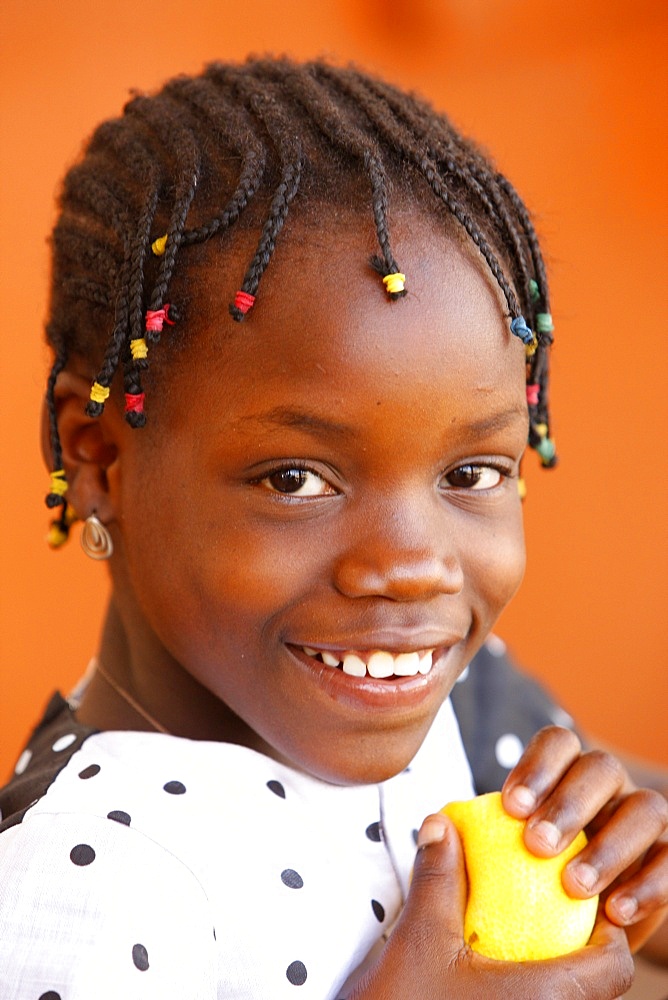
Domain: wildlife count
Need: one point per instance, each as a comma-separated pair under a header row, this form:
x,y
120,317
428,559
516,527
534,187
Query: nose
x,y
402,557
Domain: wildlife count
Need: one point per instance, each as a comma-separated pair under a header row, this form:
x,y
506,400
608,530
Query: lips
x,y
379,663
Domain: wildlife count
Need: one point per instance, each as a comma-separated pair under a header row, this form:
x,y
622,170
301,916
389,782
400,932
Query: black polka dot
x,y
119,816
373,832
214,934
277,788
378,909
140,957
415,836
82,854
50,995
296,973
292,879
90,771
174,788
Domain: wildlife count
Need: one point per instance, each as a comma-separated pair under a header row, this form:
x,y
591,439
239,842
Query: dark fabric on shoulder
x,y
495,703
39,763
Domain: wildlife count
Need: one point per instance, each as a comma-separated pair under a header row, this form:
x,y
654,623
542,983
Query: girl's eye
x,y
296,482
474,477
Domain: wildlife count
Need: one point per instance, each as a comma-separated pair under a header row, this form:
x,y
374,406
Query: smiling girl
x,y
312,520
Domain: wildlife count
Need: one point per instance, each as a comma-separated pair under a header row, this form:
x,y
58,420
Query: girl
x,y
309,539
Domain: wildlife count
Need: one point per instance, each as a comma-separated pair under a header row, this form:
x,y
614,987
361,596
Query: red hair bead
x,y
532,394
155,318
134,403
243,301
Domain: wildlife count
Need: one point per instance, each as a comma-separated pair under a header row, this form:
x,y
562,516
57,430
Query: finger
x,y
546,759
644,894
593,780
428,938
437,897
629,833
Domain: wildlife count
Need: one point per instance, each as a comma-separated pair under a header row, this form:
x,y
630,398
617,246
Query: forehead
x,y
322,317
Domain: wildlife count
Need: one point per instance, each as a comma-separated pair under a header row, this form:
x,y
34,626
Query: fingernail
x,y
626,907
431,831
585,875
548,833
524,798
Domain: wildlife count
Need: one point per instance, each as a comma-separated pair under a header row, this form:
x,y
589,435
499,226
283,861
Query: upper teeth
x,y
377,664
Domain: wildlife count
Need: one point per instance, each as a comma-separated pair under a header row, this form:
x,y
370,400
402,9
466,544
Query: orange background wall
x,y
570,96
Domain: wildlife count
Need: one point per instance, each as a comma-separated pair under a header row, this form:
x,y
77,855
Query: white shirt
x,y
161,868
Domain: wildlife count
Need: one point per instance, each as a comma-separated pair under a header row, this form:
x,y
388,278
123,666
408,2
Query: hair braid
x,y
232,128
103,379
165,122
292,162
269,113
54,499
532,238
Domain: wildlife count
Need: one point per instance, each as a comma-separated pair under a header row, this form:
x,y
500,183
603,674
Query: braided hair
x,y
184,165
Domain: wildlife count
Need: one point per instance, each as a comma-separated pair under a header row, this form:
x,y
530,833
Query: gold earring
x,y
95,539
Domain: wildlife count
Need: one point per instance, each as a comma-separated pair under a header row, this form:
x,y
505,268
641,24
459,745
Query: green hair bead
x,y
546,449
544,323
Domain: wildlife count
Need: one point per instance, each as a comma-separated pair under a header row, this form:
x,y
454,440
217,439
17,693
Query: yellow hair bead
x,y
56,536
394,283
159,246
70,516
59,482
99,393
530,349
139,348
541,430
521,488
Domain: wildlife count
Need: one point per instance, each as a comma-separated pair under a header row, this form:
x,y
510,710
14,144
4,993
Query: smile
x,y
379,664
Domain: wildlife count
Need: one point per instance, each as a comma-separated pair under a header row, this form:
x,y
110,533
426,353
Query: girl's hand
x,y
560,790
426,955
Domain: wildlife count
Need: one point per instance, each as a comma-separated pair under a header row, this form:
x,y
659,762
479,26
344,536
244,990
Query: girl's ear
x,y
90,446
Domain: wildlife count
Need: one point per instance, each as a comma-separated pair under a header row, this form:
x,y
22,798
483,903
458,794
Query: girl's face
x,y
327,491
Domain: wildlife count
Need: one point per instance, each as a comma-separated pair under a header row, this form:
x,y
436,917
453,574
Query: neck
x,y
142,687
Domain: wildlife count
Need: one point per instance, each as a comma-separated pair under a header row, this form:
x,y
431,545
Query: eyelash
x,y
472,469
303,470
479,469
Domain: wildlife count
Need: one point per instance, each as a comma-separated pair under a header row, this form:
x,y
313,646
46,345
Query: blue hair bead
x,y
520,329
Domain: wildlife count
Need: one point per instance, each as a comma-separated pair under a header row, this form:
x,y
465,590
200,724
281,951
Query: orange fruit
x,y
517,909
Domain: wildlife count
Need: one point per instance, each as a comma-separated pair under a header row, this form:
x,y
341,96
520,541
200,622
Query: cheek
x,y
498,561
210,576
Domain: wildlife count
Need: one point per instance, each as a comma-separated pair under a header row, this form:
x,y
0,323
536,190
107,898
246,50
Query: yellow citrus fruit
x,y
517,908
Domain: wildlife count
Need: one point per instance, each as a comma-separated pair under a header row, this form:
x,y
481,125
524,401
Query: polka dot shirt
x,y
148,867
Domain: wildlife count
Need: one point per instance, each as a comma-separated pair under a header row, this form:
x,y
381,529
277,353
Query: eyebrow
x,y
499,421
286,416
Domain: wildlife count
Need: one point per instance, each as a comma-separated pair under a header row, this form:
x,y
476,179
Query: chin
x,y
365,764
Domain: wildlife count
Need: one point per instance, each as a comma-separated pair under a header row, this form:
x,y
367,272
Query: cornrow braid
x,y
431,139
60,525
232,129
185,165
269,112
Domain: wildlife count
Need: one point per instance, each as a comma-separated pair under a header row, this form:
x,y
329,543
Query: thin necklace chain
x,y
127,697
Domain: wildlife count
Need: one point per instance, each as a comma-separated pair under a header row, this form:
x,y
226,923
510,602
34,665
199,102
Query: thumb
x,y
437,896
